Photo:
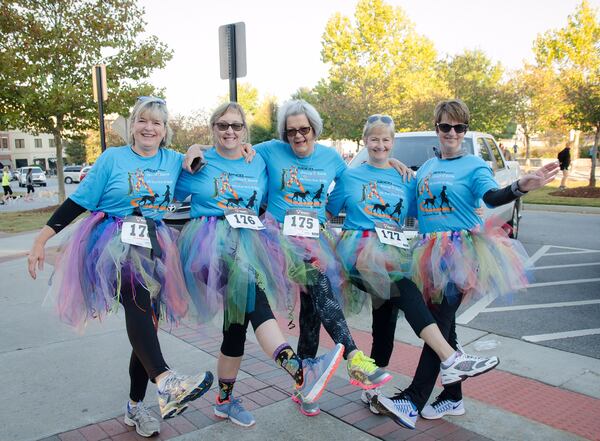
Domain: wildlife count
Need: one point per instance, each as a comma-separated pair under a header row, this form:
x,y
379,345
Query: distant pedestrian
x,y
29,182
564,159
515,150
8,193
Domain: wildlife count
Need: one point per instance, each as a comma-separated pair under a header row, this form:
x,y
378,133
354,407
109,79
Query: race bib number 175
x,y
301,223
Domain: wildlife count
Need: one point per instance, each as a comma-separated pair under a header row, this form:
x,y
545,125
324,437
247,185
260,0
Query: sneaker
x,y
306,409
399,408
317,373
363,372
233,410
367,396
465,366
441,407
139,416
181,389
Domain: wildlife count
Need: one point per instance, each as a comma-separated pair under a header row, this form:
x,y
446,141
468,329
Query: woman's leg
x,y
310,326
383,325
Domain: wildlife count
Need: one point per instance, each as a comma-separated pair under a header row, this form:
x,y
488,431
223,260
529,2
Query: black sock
x,y
285,357
225,388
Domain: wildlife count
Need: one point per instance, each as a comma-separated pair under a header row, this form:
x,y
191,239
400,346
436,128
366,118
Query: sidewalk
x,y
59,385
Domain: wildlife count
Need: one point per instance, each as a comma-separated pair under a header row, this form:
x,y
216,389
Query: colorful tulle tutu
x,y
370,266
93,264
223,265
305,258
478,262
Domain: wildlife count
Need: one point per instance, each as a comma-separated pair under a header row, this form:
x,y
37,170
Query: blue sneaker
x,y
317,373
399,408
306,409
178,390
233,409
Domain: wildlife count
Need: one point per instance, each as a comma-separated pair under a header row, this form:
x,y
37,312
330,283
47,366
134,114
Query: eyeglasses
x,y
223,126
458,128
152,99
303,131
383,118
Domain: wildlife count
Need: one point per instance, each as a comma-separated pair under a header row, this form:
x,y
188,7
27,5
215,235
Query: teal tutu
x,y
93,264
478,262
370,266
303,259
223,265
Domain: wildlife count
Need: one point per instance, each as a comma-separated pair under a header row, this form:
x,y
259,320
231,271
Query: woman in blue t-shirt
x,y
227,258
123,253
376,257
458,257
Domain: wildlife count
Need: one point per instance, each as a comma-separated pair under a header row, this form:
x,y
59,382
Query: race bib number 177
x,y
135,232
391,235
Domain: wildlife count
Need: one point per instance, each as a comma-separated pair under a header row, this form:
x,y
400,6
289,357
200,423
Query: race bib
x,y
243,218
135,232
301,223
391,235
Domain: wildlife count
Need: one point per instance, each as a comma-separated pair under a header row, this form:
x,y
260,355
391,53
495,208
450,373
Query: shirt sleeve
x,y
183,188
482,180
340,165
92,188
337,198
412,198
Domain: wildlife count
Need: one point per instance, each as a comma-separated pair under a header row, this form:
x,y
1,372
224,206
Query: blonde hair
x,y
377,120
153,108
222,110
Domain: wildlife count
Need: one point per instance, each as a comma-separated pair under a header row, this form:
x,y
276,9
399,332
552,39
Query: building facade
x,y
20,149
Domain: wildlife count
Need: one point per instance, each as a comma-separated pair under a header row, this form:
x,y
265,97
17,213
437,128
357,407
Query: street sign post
x,y
100,95
232,54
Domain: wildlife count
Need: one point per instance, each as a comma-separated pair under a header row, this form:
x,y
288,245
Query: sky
x,y
283,39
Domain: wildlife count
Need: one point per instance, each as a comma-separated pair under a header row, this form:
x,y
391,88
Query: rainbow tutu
x,y
370,266
478,262
304,259
93,264
223,265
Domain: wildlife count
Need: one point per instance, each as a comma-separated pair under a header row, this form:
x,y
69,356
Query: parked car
x,y
84,171
414,148
38,175
71,173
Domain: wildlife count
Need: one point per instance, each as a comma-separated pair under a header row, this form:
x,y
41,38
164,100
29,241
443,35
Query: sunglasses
x,y
383,118
152,99
303,131
458,128
223,126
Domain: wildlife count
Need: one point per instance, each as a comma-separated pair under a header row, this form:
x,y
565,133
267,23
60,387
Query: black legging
x,y
429,364
319,305
146,360
234,337
405,296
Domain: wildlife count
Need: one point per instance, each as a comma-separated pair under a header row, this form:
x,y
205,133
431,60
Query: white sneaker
x,y
139,416
441,407
465,366
367,396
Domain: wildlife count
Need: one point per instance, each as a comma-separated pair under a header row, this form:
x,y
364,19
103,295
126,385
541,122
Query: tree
x,y
573,52
247,97
264,123
47,51
538,101
188,130
475,79
377,63
75,150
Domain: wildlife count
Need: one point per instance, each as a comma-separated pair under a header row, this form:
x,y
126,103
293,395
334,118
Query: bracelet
x,y
514,187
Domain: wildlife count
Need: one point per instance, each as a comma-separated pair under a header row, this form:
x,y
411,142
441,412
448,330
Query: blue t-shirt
x,y
371,195
299,183
449,190
121,180
223,183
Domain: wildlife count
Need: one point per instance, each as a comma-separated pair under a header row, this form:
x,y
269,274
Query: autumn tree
x,y
573,52
47,51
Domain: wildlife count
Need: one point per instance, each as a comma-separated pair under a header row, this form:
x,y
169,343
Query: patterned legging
x,y
318,305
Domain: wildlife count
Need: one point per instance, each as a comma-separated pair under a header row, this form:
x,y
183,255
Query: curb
x,y
561,208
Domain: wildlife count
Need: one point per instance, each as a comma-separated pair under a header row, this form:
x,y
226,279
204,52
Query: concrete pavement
x,y
59,385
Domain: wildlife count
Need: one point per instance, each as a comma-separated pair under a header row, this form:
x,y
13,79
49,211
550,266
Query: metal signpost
x,y
100,90
232,54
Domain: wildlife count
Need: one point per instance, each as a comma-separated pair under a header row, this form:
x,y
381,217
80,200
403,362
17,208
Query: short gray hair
x,y
153,107
298,107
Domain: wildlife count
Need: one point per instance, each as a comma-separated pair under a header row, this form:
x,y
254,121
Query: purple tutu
x,y
224,265
93,264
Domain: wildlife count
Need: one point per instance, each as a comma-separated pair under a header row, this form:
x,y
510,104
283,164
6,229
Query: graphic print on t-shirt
x,y
227,196
144,196
294,181
433,197
376,205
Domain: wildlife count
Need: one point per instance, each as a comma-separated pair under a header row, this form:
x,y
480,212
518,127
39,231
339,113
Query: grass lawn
x,y
19,221
543,196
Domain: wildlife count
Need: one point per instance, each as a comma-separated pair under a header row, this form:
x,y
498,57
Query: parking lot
x,y
561,307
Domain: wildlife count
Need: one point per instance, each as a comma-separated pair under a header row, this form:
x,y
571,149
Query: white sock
x,y
447,362
161,383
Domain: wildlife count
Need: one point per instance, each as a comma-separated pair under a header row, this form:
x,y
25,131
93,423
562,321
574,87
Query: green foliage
x,y
47,52
247,97
377,64
264,122
75,151
188,130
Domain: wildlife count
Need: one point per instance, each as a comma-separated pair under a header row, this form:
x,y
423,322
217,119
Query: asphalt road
x,y
561,307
